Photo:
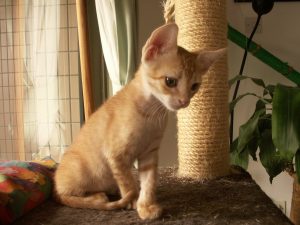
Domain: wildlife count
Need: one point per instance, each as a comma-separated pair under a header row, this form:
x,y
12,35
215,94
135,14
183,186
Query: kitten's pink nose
x,y
184,102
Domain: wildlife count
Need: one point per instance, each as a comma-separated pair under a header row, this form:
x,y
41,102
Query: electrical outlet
x,y
249,25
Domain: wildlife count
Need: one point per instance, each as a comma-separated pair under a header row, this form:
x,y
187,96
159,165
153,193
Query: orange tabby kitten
x,y
130,126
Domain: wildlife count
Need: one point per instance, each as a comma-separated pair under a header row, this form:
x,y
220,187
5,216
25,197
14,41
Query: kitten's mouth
x,y
185,105
174,106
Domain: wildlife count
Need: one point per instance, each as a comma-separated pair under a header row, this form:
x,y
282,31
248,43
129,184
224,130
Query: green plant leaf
x,y
296,119
238,158
273,161
297,164
266,155
285,118
233,146
269,89
248,130
258,82
234,102
240,97
251,148
235,79
264,123
260,105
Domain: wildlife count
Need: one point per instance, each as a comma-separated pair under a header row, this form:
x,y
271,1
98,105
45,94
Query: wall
x,y
278,36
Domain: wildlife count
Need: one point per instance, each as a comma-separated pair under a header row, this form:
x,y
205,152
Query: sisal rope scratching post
x,y
203,140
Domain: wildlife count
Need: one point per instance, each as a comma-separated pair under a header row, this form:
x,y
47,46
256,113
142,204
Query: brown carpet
x,y
232,200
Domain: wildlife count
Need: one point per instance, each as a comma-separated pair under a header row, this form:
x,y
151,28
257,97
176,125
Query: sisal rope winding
x,y
203,143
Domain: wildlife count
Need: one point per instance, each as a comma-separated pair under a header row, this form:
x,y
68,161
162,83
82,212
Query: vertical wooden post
x,y
295,206
19,70
84,58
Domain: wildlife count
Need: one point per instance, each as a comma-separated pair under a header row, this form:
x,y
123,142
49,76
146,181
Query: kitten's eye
x,y
195,86
171,82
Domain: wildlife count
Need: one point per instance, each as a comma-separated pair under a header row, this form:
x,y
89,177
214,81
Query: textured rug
x,y
234,200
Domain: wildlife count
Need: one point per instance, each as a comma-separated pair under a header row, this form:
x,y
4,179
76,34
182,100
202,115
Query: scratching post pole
x,y
203,142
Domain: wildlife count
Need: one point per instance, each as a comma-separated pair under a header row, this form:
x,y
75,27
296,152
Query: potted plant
x,y
273,131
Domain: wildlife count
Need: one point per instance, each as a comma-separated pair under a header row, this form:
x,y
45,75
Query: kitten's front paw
x,y
131,198
132,204
150,212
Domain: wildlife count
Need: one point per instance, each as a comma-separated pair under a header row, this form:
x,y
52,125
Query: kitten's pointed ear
x,y
161,41
206,58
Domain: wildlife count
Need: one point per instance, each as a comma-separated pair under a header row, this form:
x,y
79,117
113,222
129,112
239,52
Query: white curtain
x,y
39,107
108,33
117,26
42,70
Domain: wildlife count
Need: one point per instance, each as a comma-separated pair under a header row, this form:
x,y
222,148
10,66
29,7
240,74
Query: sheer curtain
x,y
39,100
117,25
42,67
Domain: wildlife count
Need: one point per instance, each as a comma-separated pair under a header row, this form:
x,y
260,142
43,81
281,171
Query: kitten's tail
x,y
94,201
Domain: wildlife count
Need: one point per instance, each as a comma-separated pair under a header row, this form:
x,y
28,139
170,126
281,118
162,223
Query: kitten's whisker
x,y
159,114
163,117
